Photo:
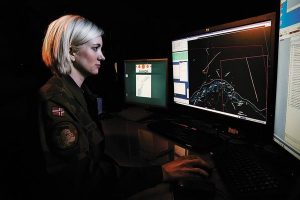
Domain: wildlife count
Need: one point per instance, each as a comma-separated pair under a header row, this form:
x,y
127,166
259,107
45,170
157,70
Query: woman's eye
x,y
94,48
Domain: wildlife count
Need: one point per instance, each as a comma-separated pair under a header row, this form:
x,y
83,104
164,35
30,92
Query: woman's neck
x,y
77,77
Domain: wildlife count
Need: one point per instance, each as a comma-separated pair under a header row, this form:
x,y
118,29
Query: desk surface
x,y
132,143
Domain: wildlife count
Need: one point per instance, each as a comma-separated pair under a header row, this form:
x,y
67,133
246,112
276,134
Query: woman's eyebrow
x,y
97,44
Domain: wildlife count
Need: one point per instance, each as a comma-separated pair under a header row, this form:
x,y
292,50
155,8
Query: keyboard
x,y
189,136
244,174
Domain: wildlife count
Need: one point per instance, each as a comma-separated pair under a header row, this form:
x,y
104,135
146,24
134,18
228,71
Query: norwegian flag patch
x,y
57,111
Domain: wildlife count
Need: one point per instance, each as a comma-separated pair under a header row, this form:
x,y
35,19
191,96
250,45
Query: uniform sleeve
x,y
62,132
69,160
100,176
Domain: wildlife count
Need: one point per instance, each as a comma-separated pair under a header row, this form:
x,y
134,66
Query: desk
x,y
132,143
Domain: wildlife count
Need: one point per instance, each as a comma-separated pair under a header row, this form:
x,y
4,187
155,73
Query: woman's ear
x,y
72,56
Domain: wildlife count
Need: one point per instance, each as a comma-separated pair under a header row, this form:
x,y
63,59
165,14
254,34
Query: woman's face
x,y
88,58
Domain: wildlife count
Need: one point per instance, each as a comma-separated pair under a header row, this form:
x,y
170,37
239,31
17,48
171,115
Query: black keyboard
x,y
182,133
245,175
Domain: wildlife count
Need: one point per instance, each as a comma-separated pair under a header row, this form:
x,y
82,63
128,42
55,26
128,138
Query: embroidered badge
x,y
68,138
58,111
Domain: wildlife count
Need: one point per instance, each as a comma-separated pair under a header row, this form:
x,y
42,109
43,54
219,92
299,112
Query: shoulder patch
x,y
66,136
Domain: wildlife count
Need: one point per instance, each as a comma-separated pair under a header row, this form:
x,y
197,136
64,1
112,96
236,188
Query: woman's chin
x,y
95,72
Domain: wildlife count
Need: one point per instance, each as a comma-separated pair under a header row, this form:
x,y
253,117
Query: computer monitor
x,y
224,73
146,82
287,106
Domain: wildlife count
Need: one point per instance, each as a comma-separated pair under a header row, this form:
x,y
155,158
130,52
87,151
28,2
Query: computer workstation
x,y
224,87
224,75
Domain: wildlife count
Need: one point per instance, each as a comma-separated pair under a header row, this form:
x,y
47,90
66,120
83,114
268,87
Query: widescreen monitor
x,y
287,106
146,82
226,71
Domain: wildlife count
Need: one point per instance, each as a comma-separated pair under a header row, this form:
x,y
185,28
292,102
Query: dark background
x,y
133,29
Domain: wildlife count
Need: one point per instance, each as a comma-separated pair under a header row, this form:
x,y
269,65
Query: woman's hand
x,y
186,167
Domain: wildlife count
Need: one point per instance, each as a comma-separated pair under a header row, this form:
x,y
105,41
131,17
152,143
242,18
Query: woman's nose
x,y
101,56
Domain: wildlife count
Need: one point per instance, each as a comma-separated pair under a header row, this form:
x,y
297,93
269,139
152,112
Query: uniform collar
x,y
75,90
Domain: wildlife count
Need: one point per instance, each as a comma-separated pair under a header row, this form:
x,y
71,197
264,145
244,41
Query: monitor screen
x,y
287,106
146,82
226,70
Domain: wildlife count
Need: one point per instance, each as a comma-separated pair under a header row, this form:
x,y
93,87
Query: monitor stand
x,y
135,113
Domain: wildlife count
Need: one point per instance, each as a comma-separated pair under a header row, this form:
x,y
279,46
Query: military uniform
x,y
73,144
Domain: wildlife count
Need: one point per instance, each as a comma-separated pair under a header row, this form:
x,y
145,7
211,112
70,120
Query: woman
x,y
71,137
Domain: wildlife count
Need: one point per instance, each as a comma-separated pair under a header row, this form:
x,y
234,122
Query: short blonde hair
x,y
64,35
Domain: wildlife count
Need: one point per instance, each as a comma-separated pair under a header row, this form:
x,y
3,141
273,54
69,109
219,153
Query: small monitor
x,y
146,82
287,106
225,72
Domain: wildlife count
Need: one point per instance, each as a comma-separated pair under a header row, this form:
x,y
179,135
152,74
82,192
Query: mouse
x,y
196,188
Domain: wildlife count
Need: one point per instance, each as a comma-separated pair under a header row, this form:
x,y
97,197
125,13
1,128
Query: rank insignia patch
x,y
57,111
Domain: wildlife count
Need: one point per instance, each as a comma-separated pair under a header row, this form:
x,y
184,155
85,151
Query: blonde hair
x,y
64,35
